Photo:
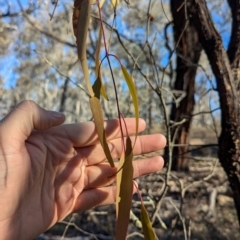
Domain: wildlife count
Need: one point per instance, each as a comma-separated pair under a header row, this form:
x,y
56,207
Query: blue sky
x,y
8,62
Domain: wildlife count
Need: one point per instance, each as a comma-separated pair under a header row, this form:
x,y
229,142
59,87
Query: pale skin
x,y
49,170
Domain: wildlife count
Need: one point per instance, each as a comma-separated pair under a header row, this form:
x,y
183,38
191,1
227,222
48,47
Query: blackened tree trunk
x,y
188,51
225,66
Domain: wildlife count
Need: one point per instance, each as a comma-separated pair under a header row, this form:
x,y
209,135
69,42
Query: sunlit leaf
x,y
97,64
146,225
118,182
101,2
98,119
114,3
124,199
133,92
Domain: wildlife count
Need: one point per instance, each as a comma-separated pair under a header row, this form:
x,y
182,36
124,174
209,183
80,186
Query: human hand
x,y
49,170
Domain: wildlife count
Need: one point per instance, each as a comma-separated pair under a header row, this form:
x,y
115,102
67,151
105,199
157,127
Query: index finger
x,y
85,134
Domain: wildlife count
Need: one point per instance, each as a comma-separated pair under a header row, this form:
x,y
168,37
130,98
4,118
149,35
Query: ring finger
x,y
104,175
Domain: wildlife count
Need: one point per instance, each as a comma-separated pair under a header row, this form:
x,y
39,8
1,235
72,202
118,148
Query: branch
x,y
234,45
212,44
35,26
10,14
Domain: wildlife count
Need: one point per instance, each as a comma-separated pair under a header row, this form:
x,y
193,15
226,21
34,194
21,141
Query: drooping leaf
x,y
75,16
146,225
97,64
124,199
83,13
118,182
114,3
98,119
133,92
101,2
81,18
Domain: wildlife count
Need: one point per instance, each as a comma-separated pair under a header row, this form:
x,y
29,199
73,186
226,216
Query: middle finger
x,y
93,155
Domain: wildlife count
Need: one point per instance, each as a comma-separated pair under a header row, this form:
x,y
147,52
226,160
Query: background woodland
x,y
184,56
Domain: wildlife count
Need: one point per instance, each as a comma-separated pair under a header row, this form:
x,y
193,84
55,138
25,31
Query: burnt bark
x,y
64,95
188,51
234,46
223,66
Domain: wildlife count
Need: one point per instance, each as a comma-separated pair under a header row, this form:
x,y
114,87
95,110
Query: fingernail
x,y
57,114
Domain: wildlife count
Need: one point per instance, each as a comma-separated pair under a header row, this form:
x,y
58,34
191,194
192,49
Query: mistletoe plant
x,y
81,17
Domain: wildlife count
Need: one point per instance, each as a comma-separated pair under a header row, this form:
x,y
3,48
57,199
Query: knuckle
x,y
28,104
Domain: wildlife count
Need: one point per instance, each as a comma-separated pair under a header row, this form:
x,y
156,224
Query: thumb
x,y
26,117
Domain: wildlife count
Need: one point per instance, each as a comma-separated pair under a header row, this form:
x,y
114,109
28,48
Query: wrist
x,y
9,230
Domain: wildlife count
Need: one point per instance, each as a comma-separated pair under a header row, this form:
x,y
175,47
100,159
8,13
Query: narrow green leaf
x,y
124,199
97,64
146,225
98,119
133,92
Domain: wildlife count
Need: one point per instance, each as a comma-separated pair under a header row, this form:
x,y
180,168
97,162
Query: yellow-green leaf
x,y
133,92
98,119
101,2
119,179
82,32
146,225
124,199
97,64
114,3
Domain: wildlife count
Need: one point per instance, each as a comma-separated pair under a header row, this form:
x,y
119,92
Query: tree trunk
x,y
188,51
227,84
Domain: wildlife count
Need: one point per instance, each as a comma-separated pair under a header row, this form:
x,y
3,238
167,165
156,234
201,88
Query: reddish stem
x,y
114,83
